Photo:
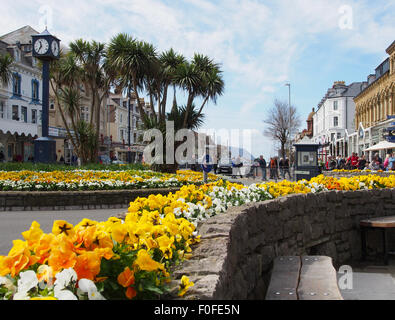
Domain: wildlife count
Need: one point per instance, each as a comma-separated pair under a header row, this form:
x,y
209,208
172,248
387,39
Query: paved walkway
x,y
13,223
371,281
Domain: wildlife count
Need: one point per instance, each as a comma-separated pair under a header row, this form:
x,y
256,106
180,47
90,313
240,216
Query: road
x,y
13,223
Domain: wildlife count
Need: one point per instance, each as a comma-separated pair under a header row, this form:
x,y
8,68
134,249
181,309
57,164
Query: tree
x,y
141,70
66,76
170,61
5,68
97,73
281,120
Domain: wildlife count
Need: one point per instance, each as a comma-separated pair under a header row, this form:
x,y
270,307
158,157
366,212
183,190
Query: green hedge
x,y
19,166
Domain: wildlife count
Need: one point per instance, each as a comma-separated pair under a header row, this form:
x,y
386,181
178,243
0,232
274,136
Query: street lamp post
x,y
290,118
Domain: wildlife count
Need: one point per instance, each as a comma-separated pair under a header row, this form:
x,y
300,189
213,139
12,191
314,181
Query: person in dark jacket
x,y
262,166
286,168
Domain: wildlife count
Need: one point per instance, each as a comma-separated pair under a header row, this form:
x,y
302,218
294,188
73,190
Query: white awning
x,y
383,145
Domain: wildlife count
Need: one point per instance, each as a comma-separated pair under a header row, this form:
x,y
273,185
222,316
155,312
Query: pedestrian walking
x,y
281,165
273,169
262,166
286,168
236,171
391,162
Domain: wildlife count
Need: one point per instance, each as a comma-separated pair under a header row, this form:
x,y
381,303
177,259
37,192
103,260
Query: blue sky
x,y
260,44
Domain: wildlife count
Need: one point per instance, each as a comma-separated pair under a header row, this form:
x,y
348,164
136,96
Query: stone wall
x,y
73,200
234,258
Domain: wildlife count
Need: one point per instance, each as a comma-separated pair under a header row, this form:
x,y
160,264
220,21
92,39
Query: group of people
x,y
275,165
361,163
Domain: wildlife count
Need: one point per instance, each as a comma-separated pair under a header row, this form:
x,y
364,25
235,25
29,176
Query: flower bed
x,y
76,180
361,171
132,258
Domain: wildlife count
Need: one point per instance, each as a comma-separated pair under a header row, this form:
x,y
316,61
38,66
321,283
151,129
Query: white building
x,y
334,118
20,100
117,126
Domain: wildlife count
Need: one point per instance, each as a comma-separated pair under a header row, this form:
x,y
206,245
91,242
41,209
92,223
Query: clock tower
x,y
46,49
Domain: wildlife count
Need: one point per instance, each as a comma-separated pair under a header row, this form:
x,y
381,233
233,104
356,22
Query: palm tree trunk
x,y
188,109
203,104
174,98
73,142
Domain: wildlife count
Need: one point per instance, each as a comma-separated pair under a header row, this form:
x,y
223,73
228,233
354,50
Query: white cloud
x,y
256,42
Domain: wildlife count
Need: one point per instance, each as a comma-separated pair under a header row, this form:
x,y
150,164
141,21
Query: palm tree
x,y
213,87
91,57
194,120
132,59
170,61
5,68
200,78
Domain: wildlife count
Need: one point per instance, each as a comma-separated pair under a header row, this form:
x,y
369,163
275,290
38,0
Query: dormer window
x,y
17,55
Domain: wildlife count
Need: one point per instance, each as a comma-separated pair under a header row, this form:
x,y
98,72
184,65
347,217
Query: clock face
x,y
41,46
55,48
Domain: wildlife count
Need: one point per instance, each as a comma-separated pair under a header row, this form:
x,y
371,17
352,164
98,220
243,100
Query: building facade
x,y
57,127
20,99
334,118
117,127
375,106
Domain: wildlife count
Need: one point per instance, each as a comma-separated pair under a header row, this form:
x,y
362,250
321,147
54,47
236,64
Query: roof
x,y
391,48
305,141
23,35
340,90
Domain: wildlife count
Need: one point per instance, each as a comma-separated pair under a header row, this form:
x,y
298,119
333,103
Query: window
x,y
34,116
16,84
52,106
17,55
339,135
2,109
15,113
335,121
35,90
306,159
121,118
335,105
24,114
85,114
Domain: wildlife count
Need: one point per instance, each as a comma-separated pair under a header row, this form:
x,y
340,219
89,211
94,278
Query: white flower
x,y
21,296
64,278
7,283
27,281
88,286
65,295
